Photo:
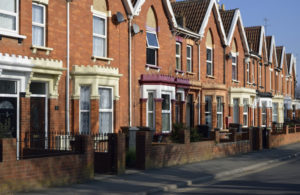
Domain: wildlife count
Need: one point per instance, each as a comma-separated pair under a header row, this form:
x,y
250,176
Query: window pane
x,y
245,120
178,63
8,5
166,122
151,55
219,104
166,102
99,47
236,111
233,72
209,71
37,36
38,88
105,98
208,119
85,122
37,14
84,98
208,103
99,25
177,49
233,60
150,120
189,66
219,121
7,22
152,40
150,102
188,51
8,87
105,122
245,102
208,55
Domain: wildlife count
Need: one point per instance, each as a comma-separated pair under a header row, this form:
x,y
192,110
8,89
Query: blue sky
x,y
283,20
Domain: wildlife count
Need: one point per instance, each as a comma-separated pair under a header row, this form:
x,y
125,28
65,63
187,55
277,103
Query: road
x,y
282,179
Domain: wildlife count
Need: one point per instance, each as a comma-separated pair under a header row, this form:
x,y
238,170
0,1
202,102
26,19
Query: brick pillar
x,y
53,119
217,136
117,116
158,115
143,149
285,129
214,115
233,132
225,113
241,112
94,116
290,114
250,116
85,145
259,118
255,117
183,112
269,117
75,105
117,149
173,111
202,114
257,138
24,116
195,114
250,136
185,136
143,104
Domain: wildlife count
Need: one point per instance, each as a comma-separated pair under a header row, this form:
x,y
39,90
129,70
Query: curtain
x,y
99,46
37,31
8,5
37,36
99,26
37,14
85,98
105,98
105,122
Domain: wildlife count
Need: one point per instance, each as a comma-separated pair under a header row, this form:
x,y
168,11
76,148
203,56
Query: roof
x,y
194,12
279,51
269,41
253,35
227,19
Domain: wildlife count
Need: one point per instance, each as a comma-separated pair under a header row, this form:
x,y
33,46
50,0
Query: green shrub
x,y
195,136
130,158
175,133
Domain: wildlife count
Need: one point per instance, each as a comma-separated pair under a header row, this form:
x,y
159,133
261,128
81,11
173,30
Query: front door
x,y
37,121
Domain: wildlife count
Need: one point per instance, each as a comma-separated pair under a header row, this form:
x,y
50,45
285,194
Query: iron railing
x,y
101,142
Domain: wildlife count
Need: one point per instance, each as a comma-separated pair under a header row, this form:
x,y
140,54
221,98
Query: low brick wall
x,y
164,155
29,174
289,136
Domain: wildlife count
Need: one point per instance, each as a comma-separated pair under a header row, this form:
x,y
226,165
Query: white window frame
x,y
150,112
220,112
264,114
234,64
236,113
152,47
40,25
111,110
259,74
104,17
189,58
13,14
81,111
248,72
168,111
245,113
208,112
275,113
210,61
178,56
253,71
46,109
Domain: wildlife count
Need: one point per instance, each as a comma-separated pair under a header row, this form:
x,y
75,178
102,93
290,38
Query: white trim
x,y
273,49
159,89
234,55
171,13
138,7
85,111
213,4
128,6
189,69
147,110
178,56
169,111
154,33
41,1
237,17
282,57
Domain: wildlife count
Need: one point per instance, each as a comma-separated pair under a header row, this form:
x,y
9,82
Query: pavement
x,y
167,179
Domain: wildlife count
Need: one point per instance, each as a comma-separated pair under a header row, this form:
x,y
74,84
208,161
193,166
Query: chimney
x,y
223,7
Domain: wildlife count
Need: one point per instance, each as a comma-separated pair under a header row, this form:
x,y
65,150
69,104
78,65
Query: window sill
x,y
210,77
191,73
102,58
179,72
235,81
148,66
12,35
35,48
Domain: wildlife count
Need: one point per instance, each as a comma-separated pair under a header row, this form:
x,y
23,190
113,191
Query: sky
x,y
283,21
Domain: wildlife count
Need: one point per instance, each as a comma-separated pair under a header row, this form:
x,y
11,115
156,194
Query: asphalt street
x,y
283,179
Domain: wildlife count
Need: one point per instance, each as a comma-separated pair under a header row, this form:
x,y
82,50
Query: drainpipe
x,y
224,64
68,70
199,70
129,70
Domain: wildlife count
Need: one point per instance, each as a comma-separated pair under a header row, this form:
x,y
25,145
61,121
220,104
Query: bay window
x,y
275,112
150,110
264,113
208,111
219,113
166,113
84,110
245,112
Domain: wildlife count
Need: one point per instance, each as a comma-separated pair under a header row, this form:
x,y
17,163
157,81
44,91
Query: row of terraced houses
x,y
90,66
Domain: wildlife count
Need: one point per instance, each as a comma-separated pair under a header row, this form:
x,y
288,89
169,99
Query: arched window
x,y
209,54
234,61
151,36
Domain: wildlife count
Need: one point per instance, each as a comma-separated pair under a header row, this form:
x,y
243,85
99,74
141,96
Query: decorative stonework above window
x,y
95,76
